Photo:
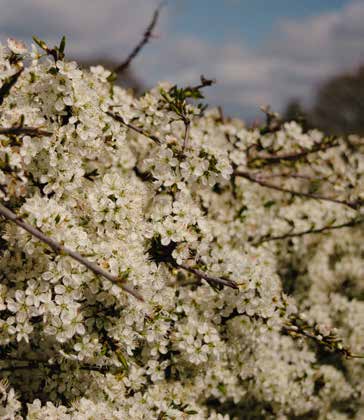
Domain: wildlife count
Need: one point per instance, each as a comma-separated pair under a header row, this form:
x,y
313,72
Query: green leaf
x,y
112,77
8,84
314,186
122,360
269,204
62,45
221,387
41,43
53,71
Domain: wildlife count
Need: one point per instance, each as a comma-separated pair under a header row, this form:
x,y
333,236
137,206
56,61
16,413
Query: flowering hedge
x,y
161,261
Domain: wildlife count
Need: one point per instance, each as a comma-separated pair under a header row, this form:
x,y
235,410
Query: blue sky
x,y
260,51
251,20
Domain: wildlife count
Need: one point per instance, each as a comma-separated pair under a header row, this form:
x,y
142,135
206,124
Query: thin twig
x,y
148,33
62,250
289,175
120,119
187,131
209,278
257,180
29,131
204,83
309,231
221,114
36,364
331,343
293,156
294,175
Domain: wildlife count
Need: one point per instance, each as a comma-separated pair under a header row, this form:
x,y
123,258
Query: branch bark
x,y
210,279
120,119
36,364
293,156
353,205
310,231
29,131
62,250
146,38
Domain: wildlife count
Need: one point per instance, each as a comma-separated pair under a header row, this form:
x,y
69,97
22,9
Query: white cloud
x,y
298,55
92,27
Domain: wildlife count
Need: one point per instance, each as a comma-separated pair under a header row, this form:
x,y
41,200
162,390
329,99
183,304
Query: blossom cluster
x,y
246,245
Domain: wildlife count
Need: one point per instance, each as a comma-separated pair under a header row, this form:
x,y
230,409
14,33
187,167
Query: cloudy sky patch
x,y
259,52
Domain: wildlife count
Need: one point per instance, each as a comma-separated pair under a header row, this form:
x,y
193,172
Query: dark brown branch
x,y
148,33
36,364
204,83
8,84
269,159
309,231
210,279
62,250
29,131
333,343
257,180
187,131
221,114
295,176
273,121
289,175
120,119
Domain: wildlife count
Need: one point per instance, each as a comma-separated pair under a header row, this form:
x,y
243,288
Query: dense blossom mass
x,y
246,246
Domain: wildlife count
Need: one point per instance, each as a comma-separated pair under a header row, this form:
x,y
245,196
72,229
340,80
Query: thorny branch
x,y
210,279
148,33
62,250
120,119
257,180
271,158
297,327
36,364
309,231
289,175
204,82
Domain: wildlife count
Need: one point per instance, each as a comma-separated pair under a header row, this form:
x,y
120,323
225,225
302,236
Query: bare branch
x,y
62,250
273,121
295,176
270,159
210,279
257,180
148,33
120,119
204,82
221,114
29,131
297,327
36,364
309,231
187,131
289,175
